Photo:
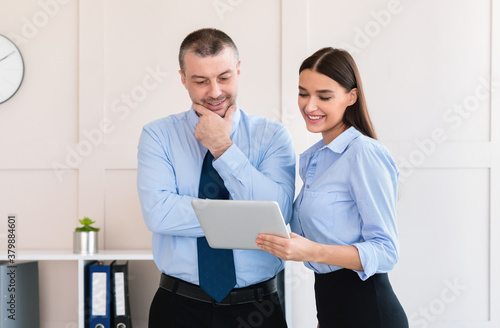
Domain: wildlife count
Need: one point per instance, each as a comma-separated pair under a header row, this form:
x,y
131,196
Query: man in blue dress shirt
x,y
255,159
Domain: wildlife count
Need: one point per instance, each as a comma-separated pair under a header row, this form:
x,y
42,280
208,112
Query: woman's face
x,y
322,102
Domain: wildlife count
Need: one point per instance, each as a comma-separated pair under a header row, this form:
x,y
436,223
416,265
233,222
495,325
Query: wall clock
x,y
11,69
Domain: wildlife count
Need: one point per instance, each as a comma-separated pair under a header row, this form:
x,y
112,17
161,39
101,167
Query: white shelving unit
x,y
83,260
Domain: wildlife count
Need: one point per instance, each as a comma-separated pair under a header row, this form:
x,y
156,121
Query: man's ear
x,y
183,78
353,96
238,68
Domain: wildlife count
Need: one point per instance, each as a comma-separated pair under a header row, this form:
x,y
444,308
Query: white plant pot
x,y
85,242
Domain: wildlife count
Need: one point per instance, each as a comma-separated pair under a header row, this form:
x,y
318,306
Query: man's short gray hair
x,y
206,42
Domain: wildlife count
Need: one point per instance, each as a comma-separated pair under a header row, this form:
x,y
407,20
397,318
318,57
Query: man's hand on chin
x,y
213,131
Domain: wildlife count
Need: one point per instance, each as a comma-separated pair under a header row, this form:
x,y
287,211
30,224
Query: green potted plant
x,y
85,237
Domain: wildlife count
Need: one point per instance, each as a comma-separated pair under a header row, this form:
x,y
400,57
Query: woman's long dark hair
x,y
338,65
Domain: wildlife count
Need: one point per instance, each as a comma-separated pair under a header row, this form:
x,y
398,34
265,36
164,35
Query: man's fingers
x,y
200,109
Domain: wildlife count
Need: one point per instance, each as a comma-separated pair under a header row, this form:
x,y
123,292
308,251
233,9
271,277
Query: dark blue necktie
x,y
215,266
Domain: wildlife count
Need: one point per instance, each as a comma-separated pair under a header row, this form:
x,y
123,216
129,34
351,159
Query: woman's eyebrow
x,y
325,91
318,91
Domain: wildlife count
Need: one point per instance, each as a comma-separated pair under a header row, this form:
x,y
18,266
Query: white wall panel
x,y
124,227
140,66
46,208
443,219
419,61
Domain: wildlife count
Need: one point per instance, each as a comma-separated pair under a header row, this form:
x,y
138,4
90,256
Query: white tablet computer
x,y
235,224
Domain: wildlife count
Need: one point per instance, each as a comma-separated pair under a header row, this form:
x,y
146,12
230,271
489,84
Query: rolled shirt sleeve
x,y
373,186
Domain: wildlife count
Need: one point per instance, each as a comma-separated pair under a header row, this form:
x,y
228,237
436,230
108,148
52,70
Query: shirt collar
x,y
194,119
338,145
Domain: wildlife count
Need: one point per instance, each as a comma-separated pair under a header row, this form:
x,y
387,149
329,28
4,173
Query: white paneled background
x,y
98,70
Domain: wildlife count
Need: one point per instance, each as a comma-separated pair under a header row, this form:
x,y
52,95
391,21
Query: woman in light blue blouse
x,y
344,220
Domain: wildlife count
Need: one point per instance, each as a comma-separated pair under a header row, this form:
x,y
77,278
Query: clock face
x,y
11,69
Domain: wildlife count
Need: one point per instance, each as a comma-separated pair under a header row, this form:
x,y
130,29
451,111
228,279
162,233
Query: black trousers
x,y
171,310
343,300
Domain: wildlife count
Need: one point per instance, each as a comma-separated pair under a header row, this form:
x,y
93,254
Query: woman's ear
x,y
353,96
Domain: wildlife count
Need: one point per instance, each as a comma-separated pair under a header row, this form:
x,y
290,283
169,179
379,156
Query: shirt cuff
x,y
367,257
230,162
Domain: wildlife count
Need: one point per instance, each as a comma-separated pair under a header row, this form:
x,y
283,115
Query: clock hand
x,y
7,56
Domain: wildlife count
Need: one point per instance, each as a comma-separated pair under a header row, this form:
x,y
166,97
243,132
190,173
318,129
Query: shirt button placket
x,y
311,172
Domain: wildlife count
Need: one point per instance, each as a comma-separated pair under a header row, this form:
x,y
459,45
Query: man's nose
x,y
214,91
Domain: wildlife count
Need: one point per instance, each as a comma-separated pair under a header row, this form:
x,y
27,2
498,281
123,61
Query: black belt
x,y
236,296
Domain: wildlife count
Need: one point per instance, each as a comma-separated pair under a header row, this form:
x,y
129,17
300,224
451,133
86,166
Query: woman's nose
x,y
310,106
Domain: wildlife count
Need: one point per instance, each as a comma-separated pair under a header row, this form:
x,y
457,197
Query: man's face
x,y
212,81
